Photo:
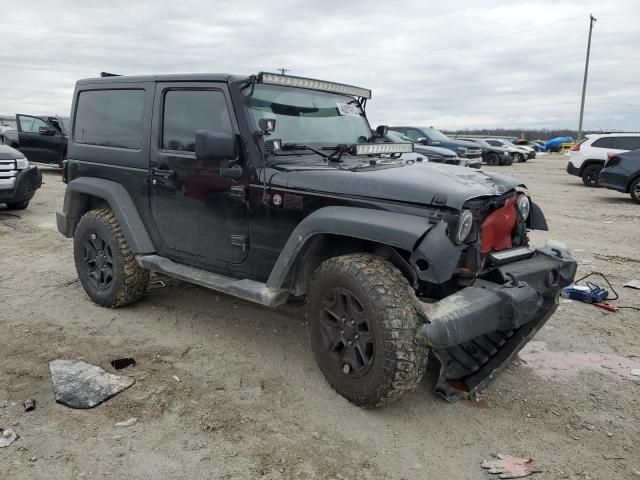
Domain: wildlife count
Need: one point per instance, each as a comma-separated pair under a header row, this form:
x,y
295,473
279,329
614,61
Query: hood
x,y
425,150
457,143
8,153
419,183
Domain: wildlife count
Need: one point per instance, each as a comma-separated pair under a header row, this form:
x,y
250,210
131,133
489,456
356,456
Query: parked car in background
x,y
433,138
519,154
432,154
621,172
491,154
42,139
535,145
555,144
18,180
587,157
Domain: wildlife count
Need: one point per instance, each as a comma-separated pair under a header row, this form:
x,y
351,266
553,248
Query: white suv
x,y
587,157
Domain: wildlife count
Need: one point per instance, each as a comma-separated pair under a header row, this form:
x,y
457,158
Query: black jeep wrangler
x,y
269,187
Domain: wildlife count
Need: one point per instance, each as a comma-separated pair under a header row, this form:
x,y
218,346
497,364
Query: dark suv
x,y
435,138
269,187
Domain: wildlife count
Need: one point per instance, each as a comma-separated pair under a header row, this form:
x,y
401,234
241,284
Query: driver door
x,y
197,211
39,141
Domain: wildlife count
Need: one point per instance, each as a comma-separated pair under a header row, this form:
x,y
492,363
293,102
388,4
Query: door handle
x,y
162,173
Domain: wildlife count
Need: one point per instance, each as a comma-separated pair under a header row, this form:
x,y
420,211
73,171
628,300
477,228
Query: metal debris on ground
x,y
507,466
129,422
29,405
7,437
78,384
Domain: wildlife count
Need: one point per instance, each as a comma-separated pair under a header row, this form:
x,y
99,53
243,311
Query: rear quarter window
x,y
604,142
110,118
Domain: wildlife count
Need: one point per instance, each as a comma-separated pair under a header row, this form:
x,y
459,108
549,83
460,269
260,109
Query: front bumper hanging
x,y
475,332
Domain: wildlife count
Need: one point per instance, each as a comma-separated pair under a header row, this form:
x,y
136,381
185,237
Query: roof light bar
x,y
310,83
380,148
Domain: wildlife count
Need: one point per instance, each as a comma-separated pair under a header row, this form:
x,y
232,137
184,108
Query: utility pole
x,y
283,70
592,20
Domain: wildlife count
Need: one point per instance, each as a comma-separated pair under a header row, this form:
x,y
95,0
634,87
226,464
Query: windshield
x,y
308,116
435,135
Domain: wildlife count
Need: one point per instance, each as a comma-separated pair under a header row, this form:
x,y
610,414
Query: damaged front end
x,y
475,332
483,301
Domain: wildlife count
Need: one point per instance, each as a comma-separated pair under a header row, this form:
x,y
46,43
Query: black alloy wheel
x,y
98,258
346,333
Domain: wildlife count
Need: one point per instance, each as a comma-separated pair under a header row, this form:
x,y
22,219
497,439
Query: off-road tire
x,y
492,159
18,205
590,175
390,308
129,279
634,190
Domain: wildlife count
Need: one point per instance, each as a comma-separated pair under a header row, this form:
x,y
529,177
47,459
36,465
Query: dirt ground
x,y
251,402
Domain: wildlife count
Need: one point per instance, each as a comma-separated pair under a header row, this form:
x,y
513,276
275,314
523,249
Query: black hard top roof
x,y
174,77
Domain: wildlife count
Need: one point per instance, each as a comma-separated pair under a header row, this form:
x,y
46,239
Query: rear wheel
x,y
107,269
634,190
363,323
18,205
590,175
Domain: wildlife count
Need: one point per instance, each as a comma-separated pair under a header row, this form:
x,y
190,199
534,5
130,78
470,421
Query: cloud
x,y
461,64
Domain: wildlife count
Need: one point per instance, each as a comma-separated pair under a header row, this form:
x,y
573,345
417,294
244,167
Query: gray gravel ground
x,y
251,403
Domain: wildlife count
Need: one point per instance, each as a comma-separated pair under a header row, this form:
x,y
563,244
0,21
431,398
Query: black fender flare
x,y
120,201
389,228
590,161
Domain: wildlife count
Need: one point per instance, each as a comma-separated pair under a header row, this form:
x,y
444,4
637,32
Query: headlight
x,y
524,207
22,163
465,222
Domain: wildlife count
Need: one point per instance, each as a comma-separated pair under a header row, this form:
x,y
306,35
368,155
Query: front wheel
x,y
590,175
634,190
363,323
519,157
106,267
493,159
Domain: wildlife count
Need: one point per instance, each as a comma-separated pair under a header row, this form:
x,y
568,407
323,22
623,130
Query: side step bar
x,y
246,289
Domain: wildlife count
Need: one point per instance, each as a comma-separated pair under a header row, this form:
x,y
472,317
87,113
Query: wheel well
x,y
588,163
324,246
631,182
81,203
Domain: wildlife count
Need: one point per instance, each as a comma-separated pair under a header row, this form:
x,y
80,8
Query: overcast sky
x,y
450,64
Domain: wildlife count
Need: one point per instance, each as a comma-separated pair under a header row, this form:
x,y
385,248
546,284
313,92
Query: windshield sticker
x,y
350,109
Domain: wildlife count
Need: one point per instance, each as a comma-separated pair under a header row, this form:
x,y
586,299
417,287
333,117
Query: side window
x,y
186,111
414,134
494,143
111,118
31,124
626,143
604,142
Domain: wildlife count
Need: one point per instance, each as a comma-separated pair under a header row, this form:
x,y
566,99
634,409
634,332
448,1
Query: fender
x,y
120,202
389,228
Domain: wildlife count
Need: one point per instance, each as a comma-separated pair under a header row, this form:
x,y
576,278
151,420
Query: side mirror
x,y
48,131
382,130
215,146
422,140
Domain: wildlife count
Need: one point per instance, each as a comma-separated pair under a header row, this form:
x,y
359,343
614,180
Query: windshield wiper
x,y
298,146
338,151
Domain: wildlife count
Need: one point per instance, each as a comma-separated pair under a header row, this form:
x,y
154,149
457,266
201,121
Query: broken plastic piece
x,y
506,466
633,284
